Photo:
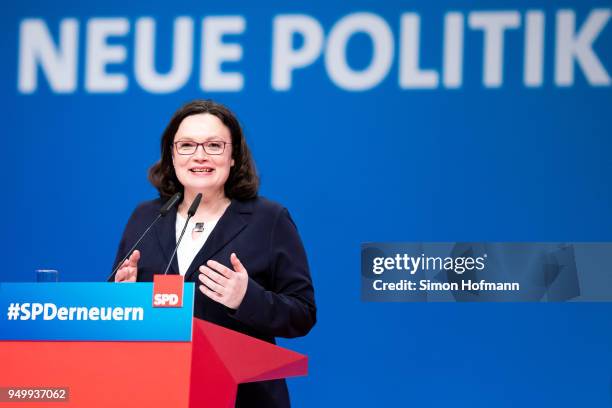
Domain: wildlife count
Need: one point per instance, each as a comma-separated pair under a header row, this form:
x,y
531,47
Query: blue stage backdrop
x,y
371,122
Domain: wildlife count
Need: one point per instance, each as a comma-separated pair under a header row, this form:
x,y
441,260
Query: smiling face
x,y
201,172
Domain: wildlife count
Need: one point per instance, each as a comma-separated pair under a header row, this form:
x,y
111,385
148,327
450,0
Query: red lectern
x,y
203,372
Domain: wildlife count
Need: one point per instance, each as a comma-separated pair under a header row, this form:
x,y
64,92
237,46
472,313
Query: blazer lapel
x,y
165,230
234,220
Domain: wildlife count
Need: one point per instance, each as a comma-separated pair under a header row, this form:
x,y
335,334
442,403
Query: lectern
x,y
112,345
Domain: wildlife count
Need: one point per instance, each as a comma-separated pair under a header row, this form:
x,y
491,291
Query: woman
x,y
242,251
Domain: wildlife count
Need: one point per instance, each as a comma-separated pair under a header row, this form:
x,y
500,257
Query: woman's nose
x,y
200,153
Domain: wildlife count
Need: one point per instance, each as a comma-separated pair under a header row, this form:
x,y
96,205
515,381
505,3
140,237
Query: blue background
x,y
471,164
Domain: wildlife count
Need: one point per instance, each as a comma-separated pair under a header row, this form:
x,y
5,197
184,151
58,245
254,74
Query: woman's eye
x,y
214,145
186,145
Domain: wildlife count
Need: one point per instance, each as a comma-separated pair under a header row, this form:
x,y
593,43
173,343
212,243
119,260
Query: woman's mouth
x,y
201,170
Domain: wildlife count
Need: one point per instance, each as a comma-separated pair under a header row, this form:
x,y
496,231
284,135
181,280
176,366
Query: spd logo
x,y
168,291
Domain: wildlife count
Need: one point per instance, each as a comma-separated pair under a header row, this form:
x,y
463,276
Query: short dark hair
x,y
242,182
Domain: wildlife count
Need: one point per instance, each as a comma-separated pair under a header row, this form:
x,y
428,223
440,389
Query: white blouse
x,y
189,246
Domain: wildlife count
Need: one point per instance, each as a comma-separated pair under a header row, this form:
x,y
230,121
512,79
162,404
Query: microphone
x,y
162,213
170,204
190,213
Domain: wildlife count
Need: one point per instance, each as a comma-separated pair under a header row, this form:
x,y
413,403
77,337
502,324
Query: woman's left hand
x,y
222,284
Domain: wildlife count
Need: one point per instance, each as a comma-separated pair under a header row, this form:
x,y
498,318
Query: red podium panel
x,y
202,373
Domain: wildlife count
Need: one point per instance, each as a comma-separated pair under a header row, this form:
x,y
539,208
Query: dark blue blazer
x,y
279,300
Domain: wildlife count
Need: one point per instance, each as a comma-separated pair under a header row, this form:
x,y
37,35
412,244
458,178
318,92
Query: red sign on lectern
x,y
168,291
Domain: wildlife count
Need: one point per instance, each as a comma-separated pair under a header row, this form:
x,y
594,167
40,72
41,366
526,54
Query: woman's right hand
x,y
129,269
